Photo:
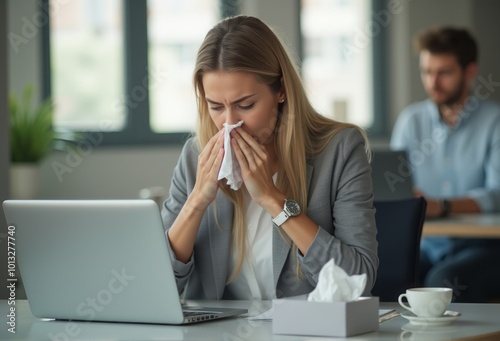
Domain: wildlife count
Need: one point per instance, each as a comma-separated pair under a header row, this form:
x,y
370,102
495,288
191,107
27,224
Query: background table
x,y
464,226
476,319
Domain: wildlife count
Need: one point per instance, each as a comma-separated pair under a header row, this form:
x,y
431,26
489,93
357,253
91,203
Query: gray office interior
x,y
114,172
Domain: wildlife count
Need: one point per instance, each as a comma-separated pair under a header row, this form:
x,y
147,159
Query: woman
x,y
241,244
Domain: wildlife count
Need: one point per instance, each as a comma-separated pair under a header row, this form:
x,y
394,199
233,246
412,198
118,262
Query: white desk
x,y
476,319
464,226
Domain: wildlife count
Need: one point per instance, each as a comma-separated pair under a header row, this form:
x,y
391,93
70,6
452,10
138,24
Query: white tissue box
x,y
297,316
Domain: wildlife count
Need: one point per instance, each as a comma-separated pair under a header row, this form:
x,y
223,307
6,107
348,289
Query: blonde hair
x,y
246,44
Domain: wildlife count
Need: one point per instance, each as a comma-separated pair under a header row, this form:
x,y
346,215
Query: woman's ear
x,y
282,92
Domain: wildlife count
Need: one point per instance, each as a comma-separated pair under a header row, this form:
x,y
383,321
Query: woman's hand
x,y
256,166
209,162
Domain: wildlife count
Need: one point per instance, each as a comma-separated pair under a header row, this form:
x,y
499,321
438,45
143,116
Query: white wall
x,y
24,46
486,24
107,173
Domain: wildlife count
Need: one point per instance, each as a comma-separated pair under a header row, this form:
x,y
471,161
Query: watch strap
x,y
445,207
281,218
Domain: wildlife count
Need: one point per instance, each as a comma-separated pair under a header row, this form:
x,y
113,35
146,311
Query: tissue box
x,y
297,316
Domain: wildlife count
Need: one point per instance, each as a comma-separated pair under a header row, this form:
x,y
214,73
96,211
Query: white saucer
x,y
447,318
430,328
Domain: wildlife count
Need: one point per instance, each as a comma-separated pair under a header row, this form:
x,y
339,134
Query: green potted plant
x,y
31,139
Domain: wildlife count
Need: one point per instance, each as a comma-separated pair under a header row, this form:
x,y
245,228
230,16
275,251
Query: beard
x,y
451,98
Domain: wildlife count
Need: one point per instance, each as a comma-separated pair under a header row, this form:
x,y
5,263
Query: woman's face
x,y
235,96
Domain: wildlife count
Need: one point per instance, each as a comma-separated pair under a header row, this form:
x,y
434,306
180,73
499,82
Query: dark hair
x,y
449,40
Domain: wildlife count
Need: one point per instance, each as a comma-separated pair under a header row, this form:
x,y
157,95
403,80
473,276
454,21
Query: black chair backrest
x,y
399,225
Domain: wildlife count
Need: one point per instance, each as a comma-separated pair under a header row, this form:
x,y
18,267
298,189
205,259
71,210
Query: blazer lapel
x,y
309,170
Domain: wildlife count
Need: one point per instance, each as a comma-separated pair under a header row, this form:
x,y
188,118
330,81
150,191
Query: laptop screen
x,y
391,175
98,260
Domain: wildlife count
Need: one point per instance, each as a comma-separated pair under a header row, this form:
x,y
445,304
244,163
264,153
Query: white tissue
x,y
230,168
335,285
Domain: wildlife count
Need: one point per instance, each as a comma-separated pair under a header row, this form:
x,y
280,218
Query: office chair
x,y
399,225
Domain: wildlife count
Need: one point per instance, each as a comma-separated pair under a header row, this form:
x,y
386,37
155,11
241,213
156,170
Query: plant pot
x,y
24,178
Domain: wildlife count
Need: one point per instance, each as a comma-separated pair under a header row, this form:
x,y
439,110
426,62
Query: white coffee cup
x,y
427,302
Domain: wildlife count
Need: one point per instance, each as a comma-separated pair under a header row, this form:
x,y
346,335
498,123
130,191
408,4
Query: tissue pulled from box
x,y
230,168
335,285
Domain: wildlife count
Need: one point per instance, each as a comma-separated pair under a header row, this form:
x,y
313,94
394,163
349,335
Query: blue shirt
x,y
462,161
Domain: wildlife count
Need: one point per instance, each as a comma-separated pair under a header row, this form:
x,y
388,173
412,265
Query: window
x,y
88,65
338,57
175,32
124,67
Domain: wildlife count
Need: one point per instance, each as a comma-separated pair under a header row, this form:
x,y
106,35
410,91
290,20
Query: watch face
x,y
292,207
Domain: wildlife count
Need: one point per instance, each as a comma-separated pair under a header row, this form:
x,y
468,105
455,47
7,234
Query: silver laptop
x,y
99,260
391,175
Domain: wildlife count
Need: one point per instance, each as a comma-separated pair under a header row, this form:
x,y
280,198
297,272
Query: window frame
x,y
379,128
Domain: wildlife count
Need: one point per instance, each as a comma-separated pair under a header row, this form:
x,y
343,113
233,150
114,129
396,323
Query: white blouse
x,y
256,280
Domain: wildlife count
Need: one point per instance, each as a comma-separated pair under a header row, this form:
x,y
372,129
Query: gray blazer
x,y
340,201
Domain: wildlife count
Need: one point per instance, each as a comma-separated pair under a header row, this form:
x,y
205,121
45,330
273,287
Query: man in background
x,y
453,143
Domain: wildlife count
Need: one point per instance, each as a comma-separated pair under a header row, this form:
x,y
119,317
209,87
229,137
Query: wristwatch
x,y
290,209
445,207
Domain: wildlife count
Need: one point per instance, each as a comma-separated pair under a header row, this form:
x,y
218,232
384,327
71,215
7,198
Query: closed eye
x,y
247,107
